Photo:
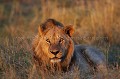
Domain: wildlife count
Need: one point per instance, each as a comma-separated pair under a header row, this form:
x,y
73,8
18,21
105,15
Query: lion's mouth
x,y
55,60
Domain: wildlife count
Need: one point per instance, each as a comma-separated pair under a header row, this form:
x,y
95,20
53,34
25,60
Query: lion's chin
x,y
55,60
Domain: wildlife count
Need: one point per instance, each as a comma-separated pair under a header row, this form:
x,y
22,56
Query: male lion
x,y
54,51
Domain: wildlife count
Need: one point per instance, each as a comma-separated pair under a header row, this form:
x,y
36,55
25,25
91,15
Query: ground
x,y
96,23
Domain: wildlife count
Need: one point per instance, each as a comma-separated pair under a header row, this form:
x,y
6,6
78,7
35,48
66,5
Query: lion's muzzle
x,y
55,52
55,58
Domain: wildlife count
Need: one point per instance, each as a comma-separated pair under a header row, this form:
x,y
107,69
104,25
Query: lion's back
x,y
90,58
91,53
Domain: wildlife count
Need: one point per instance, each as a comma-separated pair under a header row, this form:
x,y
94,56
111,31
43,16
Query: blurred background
x,y
96,22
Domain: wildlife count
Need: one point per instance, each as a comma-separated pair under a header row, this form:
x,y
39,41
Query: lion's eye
x,y
61,40
47,40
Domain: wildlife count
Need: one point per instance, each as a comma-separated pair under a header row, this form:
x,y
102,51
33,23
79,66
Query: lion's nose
x,y
55,52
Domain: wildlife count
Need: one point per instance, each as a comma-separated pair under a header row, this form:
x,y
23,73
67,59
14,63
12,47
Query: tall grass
x,y
96,22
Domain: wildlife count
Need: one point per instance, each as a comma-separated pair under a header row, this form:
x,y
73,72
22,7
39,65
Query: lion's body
x,y
54,51
90,60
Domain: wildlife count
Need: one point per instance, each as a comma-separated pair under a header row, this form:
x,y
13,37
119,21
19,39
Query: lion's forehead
x,y
55,33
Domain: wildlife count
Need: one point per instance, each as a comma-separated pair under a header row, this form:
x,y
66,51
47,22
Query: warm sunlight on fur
x,y
62,44
54,50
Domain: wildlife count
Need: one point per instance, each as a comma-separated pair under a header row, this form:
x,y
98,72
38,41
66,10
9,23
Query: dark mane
x,y
51,22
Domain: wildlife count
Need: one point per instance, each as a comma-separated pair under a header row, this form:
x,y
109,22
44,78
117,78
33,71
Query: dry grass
x,y
96,22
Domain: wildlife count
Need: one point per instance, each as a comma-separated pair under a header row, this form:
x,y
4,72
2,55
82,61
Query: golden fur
x,y
54,50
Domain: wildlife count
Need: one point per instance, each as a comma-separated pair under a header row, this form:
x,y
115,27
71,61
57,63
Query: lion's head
x,y
53,44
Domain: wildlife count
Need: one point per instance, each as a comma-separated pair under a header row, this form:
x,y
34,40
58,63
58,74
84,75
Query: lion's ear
x,y
40,30
69,30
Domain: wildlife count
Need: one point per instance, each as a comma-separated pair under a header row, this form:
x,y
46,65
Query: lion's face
x,y
55,42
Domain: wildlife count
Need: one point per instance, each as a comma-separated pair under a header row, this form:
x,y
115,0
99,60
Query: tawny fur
x,y
86,58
